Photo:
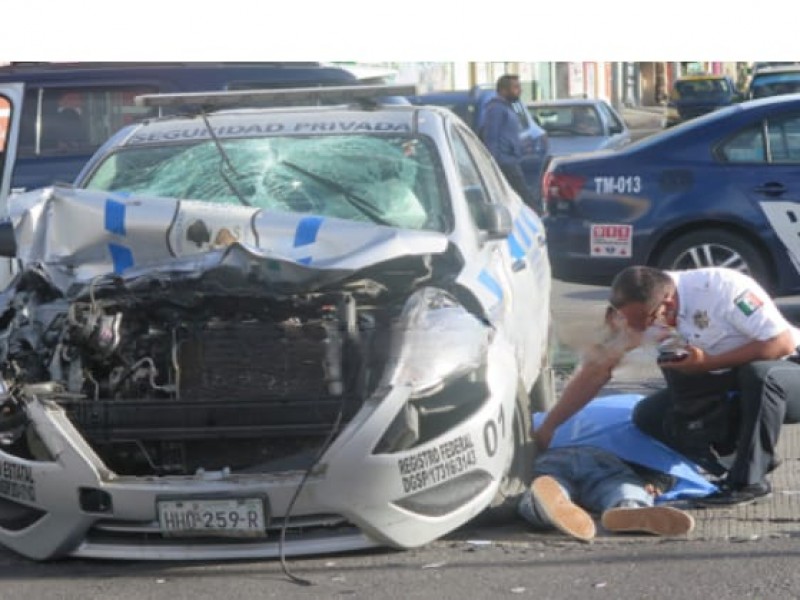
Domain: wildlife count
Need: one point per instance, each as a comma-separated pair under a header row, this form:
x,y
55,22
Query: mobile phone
x,y
676,355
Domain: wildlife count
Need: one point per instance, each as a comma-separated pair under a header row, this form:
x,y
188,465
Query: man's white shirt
x,y
721,309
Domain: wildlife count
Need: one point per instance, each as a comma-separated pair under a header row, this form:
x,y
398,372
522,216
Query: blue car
x,y
720,190
695,95
470,106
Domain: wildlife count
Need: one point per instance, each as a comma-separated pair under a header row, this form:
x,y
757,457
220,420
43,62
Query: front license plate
x,y
231,517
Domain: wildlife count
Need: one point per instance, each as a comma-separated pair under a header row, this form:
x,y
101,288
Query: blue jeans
x,y
592,478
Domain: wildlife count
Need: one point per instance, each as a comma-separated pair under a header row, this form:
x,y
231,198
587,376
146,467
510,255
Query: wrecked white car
x,y
331,321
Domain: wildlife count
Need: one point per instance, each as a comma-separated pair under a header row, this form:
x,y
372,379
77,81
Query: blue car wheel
x,y
716,248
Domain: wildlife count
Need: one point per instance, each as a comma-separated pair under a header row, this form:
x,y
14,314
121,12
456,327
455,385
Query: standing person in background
x,y
501,132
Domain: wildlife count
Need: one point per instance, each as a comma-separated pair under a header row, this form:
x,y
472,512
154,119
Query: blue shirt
x,y
500,131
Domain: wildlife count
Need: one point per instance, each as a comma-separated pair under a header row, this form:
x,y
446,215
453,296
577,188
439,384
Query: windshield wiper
x,y
225,161
357,202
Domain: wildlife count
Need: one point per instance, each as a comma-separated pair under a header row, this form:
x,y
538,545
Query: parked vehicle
x,y
696,95
580,125
774,81
59,114
720,190
314,318
469,105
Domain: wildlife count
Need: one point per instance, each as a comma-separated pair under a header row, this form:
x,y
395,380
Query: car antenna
x,y
226,160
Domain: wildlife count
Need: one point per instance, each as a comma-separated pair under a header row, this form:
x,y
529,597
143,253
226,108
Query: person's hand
x,y
696,361
542,437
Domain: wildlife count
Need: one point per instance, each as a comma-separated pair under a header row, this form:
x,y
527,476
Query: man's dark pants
x,y
753,401
516,180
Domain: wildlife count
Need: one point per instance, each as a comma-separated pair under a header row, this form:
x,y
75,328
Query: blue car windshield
x,y
698,89
389,180
775,85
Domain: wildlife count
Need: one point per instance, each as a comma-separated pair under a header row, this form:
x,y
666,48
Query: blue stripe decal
x,y
514,248
115,217
530,222
307,230
526,240
488,281
121,256
306,260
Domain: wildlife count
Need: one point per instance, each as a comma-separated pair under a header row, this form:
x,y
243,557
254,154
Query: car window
x,y
492,178
615,124
76,120
692,89
784,139
747,146
470,180
775,84
568,120
397,179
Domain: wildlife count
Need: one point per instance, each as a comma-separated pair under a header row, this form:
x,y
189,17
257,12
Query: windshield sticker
x,y
618,185
16,481
260,129
611,240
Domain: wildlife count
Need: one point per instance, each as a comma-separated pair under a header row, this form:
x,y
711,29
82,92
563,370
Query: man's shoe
x,y
737,495
774,463
566,516
658,520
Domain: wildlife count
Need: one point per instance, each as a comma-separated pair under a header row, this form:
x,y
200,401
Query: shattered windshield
x,y
388,180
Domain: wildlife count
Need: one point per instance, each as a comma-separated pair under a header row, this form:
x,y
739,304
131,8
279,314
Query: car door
x,y
524,260
11,95
10,108
774,185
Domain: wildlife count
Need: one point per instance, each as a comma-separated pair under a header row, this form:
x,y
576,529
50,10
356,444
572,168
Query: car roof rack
x,y
363,94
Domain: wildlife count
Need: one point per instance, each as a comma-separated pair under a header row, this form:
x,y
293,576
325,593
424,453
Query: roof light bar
x,y
309,96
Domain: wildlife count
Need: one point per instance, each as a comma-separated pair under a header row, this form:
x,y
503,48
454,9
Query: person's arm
x,y
591,376
581,389
772,349
492,130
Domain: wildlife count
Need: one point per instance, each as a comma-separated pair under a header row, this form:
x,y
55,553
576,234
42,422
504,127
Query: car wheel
x,y
715,248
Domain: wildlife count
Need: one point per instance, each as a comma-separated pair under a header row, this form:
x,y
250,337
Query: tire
x,y
715,248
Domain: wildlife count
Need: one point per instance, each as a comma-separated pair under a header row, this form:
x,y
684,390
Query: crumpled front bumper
x,y
355,498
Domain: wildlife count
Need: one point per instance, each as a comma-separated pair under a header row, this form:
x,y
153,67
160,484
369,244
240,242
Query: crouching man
x,y
728,380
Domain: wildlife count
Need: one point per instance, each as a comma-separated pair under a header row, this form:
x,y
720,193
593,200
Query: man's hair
x,y
504,82
640,284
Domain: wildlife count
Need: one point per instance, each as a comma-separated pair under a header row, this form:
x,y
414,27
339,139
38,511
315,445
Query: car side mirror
x,y
498,223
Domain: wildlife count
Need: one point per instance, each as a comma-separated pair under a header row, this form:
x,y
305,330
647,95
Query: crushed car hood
x,y
76,236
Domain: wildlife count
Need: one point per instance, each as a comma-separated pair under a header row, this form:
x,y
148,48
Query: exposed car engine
x,y
165,382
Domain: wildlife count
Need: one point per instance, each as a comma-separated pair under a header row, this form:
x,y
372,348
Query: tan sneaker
x,y
658,520
560,511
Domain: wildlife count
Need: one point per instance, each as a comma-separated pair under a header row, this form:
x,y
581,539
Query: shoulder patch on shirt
x,y
748,302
